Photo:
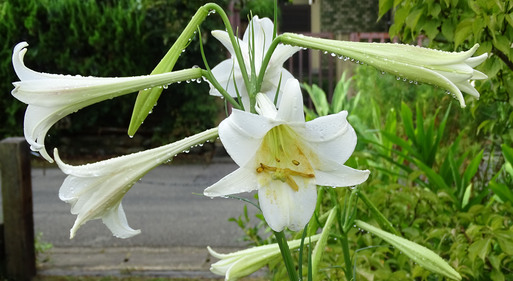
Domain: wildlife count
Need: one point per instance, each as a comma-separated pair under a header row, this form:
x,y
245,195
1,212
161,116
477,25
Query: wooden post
x,y
17,208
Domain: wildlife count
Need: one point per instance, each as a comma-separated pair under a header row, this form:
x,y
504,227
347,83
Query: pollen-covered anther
x,y
284,174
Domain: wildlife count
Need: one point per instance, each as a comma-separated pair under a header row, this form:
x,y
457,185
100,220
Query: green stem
x,y
344,242
233,40
265,62
380,218
285,253
347,256
223,92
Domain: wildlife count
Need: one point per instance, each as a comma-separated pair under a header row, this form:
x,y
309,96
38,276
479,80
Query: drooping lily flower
x,y
95,190
257,38
451,71
242,263
284,157
50,97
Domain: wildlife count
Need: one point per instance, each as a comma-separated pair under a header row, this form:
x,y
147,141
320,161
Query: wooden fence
x,y
17,253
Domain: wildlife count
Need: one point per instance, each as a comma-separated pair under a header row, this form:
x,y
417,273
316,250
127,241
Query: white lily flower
x,y
452,71
242,263
95,190
50,97
284,157
229,70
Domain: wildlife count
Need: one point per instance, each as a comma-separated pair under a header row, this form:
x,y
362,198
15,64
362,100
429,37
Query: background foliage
x,y
455,25
107,38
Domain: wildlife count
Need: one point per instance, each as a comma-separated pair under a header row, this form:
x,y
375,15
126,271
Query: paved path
x,y
176,223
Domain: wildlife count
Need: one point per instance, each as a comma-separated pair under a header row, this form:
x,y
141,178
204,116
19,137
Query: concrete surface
x,y
176,221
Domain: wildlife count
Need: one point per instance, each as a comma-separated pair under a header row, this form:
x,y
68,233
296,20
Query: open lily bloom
x,y
242,263
284,157
95,190
228,72
50,97
449,70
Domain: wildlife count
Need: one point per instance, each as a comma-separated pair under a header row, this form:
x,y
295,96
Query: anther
x,y
295,162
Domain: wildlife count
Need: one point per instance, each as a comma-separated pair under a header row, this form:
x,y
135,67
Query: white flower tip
x,y
264,106
214,253
17,58
37,147
475,61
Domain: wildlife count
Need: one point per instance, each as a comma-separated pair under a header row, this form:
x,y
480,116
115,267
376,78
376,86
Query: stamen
x,y
284,174
290,181
295,162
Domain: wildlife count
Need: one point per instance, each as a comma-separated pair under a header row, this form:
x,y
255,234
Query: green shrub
x,y
107,38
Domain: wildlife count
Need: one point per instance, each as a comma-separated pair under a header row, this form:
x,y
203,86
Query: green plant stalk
x,y
208,74
347,256
229,30
287,257
377,214
146,99
227,96
344,242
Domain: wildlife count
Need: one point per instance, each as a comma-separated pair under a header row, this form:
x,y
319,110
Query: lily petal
x,y
291,104
341,176
240,180
242,133
283,207
325,135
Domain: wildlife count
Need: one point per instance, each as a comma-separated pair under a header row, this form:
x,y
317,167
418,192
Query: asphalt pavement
x,y
176,222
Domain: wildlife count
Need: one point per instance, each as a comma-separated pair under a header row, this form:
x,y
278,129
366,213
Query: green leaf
x,y
384,7
466,196
413,18
431,28
505,240
448,30
420,254
509,19
479,248
340,93
321,243
502,191
472,168
502,43
318,97
435,10
463,31
508,153
407,117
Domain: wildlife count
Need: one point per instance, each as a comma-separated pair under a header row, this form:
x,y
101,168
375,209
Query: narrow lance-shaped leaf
x,y
420,254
